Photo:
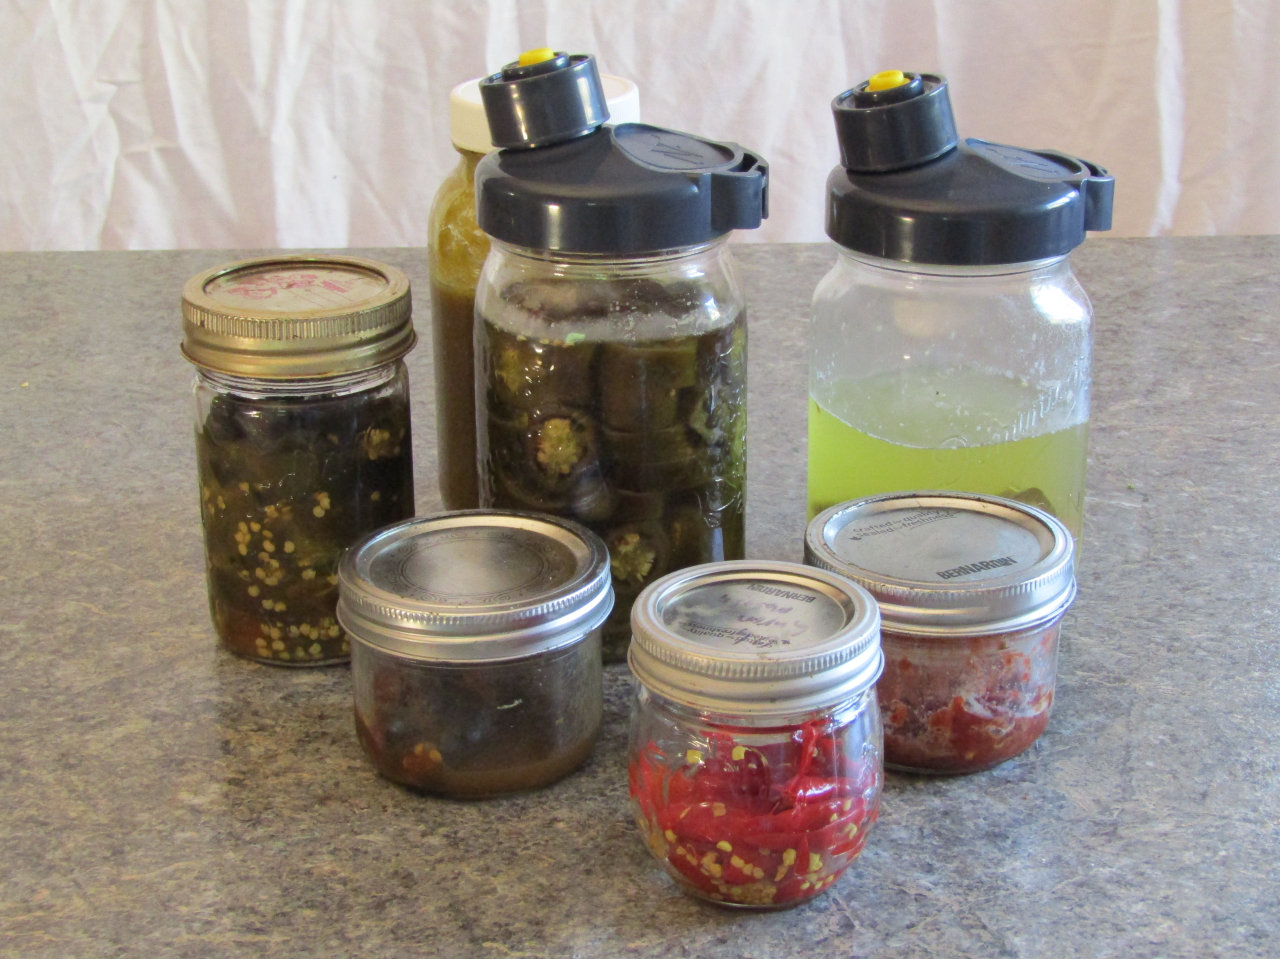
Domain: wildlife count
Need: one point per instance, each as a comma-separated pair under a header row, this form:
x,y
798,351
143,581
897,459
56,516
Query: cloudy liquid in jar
x,y
962,430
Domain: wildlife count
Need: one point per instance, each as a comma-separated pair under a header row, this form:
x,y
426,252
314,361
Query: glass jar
x,y
950,344
303,441
969,378
476,649
456,250
612,390
756,746
972,591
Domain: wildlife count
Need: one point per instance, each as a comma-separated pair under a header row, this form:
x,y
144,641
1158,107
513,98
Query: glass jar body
x,y
964,704
291,473
478,729
950,378
750,815
613,392
456,250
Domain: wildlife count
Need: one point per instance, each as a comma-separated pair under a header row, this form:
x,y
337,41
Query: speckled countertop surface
x,y
162,797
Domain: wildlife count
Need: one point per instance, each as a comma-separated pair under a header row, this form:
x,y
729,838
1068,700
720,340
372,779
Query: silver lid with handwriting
x,y
949,564
475,585
755,638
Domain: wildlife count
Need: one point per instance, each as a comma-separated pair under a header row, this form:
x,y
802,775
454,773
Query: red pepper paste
x,y
964,704
759,826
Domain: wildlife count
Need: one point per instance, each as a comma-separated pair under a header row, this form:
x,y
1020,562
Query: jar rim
x,y
297,316
941,563
951,271
411,588
753,637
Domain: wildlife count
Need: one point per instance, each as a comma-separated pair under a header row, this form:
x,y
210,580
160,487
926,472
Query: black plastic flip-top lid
x,y
627,189
545,97
908,191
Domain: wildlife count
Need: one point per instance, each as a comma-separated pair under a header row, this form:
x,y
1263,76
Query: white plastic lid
x,y
469,130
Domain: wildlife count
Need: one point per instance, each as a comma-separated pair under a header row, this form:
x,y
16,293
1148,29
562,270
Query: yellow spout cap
x,y
884,80
537,55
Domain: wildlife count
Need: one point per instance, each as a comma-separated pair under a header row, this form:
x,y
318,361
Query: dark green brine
x,y
641,438
287,484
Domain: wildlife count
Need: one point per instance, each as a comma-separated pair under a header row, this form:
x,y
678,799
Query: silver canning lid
x,y
475,585
957,564
755,638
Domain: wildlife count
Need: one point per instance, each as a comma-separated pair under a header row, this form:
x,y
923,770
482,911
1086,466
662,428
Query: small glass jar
x,y
613,391
972,590
476,649
303,441
756,756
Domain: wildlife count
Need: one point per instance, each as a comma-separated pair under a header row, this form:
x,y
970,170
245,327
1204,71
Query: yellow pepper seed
x,y
718,810
693,756
670,835
815,863
726,846
788,857
739,753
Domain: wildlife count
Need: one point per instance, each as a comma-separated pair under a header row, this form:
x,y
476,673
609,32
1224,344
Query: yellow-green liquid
x,y
1046,471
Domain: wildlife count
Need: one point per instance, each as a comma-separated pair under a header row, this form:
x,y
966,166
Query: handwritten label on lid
x,y
292,289
763,616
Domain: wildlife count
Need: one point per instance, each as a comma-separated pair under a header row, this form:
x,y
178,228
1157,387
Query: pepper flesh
x,y
961,705
758,826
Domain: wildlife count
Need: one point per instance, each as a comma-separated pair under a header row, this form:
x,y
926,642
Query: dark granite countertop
x,y
161,797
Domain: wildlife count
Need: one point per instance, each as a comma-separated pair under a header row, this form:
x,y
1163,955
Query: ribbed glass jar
x,y
612,390
756,746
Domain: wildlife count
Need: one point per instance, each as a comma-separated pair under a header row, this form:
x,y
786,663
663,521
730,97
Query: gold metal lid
x,y
292,316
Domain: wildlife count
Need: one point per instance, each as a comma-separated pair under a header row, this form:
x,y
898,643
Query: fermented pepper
x,y
757,825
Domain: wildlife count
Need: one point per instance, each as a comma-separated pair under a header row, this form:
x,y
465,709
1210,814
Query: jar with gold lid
x,y
302,439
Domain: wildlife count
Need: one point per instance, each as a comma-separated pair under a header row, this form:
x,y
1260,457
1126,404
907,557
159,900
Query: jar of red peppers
x,y
972,590
302,439
755,759
475,649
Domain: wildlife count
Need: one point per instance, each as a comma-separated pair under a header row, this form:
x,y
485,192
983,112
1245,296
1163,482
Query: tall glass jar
x,y
950,346
975,378
756,743
612,390
456,250
303,440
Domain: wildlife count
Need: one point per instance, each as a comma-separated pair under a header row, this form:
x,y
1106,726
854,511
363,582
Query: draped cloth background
x,y
324,123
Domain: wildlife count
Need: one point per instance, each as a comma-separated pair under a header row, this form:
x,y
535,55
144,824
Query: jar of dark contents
x,y
476,649
302,440
972,590
456,249
611,329
756,754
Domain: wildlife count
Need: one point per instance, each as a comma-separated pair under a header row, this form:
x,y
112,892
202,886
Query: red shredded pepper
x,y
959,709
758,826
